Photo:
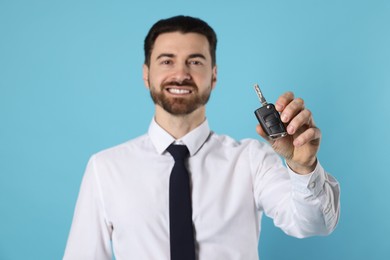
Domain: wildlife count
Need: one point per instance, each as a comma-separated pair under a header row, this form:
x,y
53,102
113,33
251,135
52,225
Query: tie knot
x,y
178,152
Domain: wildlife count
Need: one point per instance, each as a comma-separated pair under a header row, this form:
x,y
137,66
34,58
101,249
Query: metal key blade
x,y
260,95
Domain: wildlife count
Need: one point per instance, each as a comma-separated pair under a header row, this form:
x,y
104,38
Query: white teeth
x,y
178,91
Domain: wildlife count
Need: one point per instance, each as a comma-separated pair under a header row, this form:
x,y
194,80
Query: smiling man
x,y
180,76
181,191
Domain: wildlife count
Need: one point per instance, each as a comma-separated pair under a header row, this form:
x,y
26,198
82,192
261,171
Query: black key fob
x,y
269,118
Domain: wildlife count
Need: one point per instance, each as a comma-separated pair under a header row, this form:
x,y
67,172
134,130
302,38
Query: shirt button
x,y
312,185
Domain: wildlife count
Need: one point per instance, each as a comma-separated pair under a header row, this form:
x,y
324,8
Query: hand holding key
x,y
301,145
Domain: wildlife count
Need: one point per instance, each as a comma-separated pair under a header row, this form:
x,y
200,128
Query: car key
x,y
269,117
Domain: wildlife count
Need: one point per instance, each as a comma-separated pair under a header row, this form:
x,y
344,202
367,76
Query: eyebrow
x,y
162,55
197,55
191,56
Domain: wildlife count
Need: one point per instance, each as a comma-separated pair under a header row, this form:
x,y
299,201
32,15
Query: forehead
x,y
181,43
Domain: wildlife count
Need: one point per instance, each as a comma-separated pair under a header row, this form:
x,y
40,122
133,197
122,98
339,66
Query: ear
x,y
214,77
145,75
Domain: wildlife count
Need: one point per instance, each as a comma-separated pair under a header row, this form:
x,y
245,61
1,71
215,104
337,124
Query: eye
x,y
195,62
166,62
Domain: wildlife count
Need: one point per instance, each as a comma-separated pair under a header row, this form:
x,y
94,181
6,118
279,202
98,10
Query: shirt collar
x,y
161,139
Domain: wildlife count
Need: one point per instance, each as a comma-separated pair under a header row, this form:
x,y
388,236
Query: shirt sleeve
x,y
90,234
301,205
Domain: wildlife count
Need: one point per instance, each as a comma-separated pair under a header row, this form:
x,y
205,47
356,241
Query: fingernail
x,y
279,107
290,129
284,118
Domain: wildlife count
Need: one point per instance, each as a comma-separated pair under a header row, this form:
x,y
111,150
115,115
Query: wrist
x,y
302,169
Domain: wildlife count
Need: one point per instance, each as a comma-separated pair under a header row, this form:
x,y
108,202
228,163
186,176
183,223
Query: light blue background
x,y
71,85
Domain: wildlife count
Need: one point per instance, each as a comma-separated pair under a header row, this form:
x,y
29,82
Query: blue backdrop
x,y
71,85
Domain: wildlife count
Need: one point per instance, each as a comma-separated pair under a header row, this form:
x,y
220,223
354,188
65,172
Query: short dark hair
x,y
183,24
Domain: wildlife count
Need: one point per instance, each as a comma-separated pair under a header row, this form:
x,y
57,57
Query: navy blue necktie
x,y
180,208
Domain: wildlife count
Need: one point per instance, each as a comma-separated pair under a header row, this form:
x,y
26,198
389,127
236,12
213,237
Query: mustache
x,y
187,83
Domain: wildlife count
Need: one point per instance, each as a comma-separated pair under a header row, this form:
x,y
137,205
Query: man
x,y
127,199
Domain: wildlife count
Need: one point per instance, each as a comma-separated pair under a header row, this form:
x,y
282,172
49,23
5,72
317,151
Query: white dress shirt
x,y
124,203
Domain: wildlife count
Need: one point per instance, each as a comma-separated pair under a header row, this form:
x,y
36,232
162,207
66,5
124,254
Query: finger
x,y
303,118
312,134
292,109
283,101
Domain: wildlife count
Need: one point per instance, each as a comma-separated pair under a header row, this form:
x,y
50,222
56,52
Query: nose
x,y
182,73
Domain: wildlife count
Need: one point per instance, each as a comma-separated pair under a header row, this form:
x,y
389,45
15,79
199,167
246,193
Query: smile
x,y
179,91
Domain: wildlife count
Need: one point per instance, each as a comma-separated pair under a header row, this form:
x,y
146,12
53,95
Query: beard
x,y
180,106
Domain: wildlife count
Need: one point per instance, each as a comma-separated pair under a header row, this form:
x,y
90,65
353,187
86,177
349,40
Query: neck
x,y
179,126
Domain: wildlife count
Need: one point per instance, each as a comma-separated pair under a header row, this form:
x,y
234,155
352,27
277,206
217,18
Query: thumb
x,y
263,134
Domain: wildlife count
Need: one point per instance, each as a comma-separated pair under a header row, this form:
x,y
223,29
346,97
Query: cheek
x,y
205,77
156,77
153,80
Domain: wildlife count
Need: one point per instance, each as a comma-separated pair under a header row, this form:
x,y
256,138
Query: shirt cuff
x,y
311,183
